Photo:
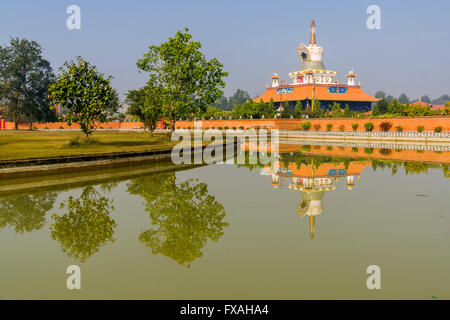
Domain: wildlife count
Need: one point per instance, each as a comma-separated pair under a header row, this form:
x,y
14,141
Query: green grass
x,y
40,144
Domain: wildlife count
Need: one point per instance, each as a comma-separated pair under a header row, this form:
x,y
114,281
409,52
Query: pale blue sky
x,y
252,38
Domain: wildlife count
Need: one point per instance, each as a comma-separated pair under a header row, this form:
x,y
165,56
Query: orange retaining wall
x,y
407,123
58,125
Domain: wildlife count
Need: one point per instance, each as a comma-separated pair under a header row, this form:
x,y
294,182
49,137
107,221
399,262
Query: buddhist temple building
x,y
312,182
313,81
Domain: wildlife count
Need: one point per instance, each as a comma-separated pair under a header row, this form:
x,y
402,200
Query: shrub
x,y
438,129
329,126
317,127
420,128
399,128
306,125
34,127
329,148
234,128
61,127
368,150
241,128
355,126
368,126
207,128
385,152
101,128
226,127
385,126
306,147
219,128
354,149
341,127
46,127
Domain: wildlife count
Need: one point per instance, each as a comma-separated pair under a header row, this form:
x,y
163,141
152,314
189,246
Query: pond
x,y
306,226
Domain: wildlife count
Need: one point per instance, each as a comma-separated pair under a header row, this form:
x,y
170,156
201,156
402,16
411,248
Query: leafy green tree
x,y
24,79
146,104
271,107
425,99
403,98
382,106
287,110
336,110
441,100
414,110
396,108
298,110
112,107
86,226
26,212
376,110
85,92
380,94
188,82
239,97
184,216
347,112
222,103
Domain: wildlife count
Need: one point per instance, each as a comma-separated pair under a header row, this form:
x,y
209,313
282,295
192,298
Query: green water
x,y
225,231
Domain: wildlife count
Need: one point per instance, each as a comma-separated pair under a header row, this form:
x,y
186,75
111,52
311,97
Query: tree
x,y
146,104
396,108
184,216
112,107
380,94
222,103
382,106
86,226
441,100
287,110
85,92
298,110
26,212
239,97
425,99
187,81
24,79
403,98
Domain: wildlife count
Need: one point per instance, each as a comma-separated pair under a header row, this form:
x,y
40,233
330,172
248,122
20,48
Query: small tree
x,y
355,126
298,110
368,126
306,126
385,126
145,103
85,93
186,79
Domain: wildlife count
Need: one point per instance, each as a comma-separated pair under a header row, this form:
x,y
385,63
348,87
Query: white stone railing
x,y
406,134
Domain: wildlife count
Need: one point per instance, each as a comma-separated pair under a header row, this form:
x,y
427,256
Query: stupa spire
x,y
312,39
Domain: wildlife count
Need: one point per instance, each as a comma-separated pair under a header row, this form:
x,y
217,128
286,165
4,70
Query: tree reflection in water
x,y
26,213
86,226
183,216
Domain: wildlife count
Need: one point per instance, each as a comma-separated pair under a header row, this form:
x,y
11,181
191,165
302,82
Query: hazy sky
x,y
251,38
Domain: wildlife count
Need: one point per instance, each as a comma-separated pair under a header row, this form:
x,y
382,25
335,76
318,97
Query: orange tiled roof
x,y
432,106
304,91
306,171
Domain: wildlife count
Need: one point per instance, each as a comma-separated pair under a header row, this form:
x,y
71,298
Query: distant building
x,y
315,82
432,106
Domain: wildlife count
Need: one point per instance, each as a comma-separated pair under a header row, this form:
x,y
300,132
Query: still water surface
x,y
305,227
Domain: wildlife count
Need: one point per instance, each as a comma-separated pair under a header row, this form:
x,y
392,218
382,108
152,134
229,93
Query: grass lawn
x,y
46,144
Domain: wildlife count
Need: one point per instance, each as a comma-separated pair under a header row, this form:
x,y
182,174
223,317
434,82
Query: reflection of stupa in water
x,y
312,181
